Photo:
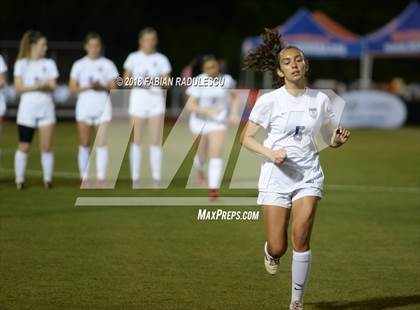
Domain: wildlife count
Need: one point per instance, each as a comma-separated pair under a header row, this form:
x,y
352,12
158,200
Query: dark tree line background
x,y
192,28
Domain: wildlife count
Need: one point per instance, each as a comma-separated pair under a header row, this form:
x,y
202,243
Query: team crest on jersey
x,y
313,112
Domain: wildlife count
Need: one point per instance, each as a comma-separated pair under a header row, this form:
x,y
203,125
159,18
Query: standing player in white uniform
x,y
211,108
92,77
3,70
147,104
35,79
291,178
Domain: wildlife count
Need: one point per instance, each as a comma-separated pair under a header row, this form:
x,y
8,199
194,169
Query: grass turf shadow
x,y
371,304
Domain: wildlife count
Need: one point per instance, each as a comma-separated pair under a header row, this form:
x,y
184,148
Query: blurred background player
x,y
92,77
3,70
35,79
211,109
291,175
147,103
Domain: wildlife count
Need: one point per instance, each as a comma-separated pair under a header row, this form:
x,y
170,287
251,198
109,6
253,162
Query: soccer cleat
x,y
84,184
213,194
20,186
48,185
271,264
156,184
100,184
296,305
136,184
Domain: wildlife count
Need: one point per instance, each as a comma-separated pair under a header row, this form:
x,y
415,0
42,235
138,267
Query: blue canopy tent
x,y
304,31
316,39
399,38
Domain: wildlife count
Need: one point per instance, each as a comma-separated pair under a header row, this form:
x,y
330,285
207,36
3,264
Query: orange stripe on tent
x,y
333,27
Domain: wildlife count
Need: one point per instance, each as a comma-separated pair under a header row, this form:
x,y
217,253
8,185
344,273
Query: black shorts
x,y
26,134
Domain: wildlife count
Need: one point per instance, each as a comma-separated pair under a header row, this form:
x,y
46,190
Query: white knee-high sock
x,y
156,161
101,162
47,162
21,158
198,164
135,161
82,160
215,172
301,265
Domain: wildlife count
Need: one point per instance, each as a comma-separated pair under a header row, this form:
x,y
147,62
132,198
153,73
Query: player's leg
x,y
197,129
216,140
47,156
155,124
303,216
135,148
276,221
26,135
85,131
101,153
200,159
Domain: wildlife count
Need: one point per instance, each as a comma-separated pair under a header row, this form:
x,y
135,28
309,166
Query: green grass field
x,y
366,240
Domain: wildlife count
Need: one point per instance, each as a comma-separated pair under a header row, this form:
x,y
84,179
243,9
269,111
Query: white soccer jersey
x,y
3,69
142,65
85,71
293,123
217,96
32,71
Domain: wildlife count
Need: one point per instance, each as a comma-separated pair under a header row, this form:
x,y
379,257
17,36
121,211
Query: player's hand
x,y
97,86
42,86
277,156
340,136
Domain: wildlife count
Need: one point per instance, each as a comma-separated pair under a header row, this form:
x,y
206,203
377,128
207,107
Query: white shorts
x,y
285,199
93,117
201,127
146,103
39,114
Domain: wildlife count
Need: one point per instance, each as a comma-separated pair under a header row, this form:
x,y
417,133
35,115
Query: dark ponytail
x,y
265,57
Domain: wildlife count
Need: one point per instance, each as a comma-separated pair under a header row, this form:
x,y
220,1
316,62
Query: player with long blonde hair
x,y
147,102
35,79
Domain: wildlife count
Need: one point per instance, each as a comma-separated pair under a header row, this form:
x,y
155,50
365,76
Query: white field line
x,y
164,201
251,184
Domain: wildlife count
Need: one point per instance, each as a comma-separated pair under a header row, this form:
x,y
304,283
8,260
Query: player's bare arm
x,y
248,140
234,117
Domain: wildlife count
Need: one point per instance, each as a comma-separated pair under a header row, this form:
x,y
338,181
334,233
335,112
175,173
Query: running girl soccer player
x,y
147,102
3,70
291,178
211,107
35,79
92,77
